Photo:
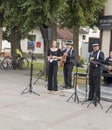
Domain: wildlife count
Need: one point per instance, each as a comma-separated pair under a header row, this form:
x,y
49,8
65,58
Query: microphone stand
x,y
86,89
96,101
108,108
29,88
75,98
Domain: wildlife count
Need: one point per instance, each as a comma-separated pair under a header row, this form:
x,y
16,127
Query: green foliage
x,y
81,12
77,13
25,15
38,68
20,17
81,60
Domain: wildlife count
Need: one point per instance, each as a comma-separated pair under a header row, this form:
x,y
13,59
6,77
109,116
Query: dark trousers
x,y
94,83
52,76
67,70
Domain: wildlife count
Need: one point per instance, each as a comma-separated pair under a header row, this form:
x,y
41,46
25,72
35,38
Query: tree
x,y
77,13
42,13
21,17
13,19
1,24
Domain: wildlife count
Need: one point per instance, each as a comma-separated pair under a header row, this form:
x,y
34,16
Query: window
x,y
31,42
84,37
94,30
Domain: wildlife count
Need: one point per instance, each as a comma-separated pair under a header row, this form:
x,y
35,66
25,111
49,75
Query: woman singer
x,y
54,55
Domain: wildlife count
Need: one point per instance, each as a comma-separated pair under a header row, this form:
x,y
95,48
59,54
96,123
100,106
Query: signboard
x,y
31,45
105,23
38,44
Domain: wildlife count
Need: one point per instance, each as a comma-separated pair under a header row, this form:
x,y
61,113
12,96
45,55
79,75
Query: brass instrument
x,y
103,63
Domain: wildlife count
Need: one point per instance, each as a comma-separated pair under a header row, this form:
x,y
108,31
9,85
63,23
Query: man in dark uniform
x,y
70,54
108,78
95,72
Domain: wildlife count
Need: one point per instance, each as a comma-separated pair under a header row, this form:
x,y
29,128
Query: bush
x,y
82,61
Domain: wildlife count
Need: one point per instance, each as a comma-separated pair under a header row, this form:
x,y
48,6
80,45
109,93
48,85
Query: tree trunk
x,y
46,46
15,40
53,31
0,39
76,39
47,42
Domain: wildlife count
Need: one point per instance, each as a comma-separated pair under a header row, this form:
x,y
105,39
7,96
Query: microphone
x,y
32,55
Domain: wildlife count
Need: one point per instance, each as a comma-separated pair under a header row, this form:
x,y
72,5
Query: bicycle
x,y
15,62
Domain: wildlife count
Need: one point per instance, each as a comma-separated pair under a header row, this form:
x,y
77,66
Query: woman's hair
x,y
53,42
110,51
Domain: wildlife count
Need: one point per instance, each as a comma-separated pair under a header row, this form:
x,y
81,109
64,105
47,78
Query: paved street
x,y
47,111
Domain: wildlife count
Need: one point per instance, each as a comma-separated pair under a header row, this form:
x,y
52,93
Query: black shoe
x,y
89,100
68,87
65,86
98,100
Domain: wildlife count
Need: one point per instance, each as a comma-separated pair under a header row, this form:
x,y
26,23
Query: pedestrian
x,y
54,55
96,56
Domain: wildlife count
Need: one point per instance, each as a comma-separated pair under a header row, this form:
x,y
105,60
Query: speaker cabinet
x,y
47,34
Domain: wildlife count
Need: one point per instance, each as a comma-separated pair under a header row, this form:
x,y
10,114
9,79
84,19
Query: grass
x,y
39,67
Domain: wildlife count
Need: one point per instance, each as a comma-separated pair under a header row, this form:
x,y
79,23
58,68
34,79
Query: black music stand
x,y
76,98
29,88
86,85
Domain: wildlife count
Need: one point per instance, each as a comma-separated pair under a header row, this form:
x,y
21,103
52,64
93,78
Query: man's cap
x,y
68,43
95,44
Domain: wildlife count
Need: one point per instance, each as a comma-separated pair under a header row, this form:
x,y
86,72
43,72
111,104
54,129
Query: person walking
x,y
54,55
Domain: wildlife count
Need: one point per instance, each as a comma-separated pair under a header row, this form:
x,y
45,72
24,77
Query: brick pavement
x,y
47,111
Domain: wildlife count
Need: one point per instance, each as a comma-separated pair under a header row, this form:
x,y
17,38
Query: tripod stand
x,y
76,98
108,108
39,77
44,72
86,89
29,88
95,101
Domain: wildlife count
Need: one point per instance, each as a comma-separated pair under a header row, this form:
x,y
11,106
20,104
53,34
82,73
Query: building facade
x,y
105,26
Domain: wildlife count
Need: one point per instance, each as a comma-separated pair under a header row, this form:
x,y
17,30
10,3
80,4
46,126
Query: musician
x,y
54,55
95,72
108,60
70,54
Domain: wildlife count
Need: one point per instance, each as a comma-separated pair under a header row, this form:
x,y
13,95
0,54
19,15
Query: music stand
x,y
76,98
86,89
29,88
